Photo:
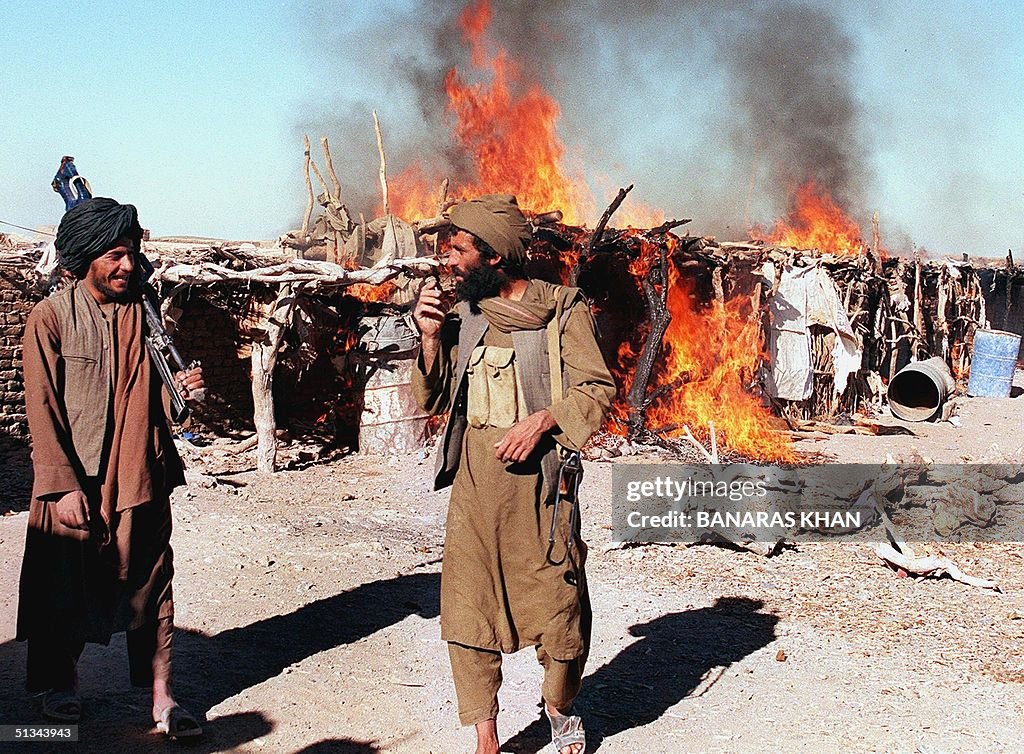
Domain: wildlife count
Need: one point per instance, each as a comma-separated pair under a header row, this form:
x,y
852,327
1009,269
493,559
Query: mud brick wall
x,y
208,334
16,300
205,333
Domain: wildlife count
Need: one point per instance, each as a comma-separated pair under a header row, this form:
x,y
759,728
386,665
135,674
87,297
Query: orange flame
x,y
372,293
508,127
709,358
815,222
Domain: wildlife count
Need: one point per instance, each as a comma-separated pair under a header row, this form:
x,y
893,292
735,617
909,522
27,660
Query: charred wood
x,y
655,285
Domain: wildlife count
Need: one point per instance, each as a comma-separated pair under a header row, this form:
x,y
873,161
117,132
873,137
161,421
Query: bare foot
x,y
556,716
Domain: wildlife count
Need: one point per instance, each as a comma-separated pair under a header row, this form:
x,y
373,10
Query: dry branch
x,y
323,274
595,239
930,565
665,227
263,360
330,169
309,190
383,162
711,457
442,197
657,307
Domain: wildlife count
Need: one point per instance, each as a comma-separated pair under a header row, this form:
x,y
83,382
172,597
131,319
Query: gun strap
x,y
555,354
569,460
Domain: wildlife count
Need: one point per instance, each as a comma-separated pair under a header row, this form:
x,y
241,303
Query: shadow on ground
x,y
675,653
340,746
218,667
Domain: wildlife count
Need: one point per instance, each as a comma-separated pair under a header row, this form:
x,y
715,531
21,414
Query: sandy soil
x,y
308,611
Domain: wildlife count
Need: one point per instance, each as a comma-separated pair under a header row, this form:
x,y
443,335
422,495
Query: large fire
x,y
815,222
710,356
507,127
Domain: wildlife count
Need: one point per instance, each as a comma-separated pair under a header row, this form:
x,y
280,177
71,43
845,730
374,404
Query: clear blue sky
x,y
194,112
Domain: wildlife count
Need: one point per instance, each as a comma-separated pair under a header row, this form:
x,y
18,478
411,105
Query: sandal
x,y
566,731
177,722
62,706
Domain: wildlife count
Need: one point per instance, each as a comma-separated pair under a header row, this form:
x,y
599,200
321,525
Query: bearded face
x,y
114,276
483,281
476,278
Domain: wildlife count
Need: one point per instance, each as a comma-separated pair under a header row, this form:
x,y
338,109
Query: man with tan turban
x,y
517,366
97,555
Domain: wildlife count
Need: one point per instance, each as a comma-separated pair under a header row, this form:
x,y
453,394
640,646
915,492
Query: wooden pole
x,y
941,325
383,162
595,237
264,359
335,196
309,198
716,283
442,205
655,286
320,177
920,343
442,197
876,244
330,169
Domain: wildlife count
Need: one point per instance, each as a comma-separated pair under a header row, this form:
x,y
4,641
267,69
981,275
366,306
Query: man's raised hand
x,y
429,312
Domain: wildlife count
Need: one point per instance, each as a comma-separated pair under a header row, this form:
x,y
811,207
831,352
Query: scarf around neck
x,y
530,313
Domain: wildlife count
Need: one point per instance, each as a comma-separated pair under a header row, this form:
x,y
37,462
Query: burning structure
x,y
721,344
701,335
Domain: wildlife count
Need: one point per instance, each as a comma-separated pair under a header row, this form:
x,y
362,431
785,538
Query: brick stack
x,y
16,301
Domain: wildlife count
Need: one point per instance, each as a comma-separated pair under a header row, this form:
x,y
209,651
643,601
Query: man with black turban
x,y
498,363
97,556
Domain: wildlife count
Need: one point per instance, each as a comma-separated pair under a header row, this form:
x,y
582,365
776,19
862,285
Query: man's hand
x,y
520,441
429,311
190,382
73,510
428,314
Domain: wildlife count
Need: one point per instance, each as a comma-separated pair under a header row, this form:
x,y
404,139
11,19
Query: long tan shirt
x,y
501,588
97,422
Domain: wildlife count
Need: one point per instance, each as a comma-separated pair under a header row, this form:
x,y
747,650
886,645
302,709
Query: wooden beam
x,y
263,359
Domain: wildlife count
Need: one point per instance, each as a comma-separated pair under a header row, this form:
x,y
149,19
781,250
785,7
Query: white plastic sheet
x,y
807,296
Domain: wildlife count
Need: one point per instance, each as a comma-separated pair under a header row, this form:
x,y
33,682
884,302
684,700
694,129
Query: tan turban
x,y
497,220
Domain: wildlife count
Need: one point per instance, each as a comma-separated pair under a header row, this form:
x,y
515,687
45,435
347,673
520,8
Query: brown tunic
x,y
97,421
499,589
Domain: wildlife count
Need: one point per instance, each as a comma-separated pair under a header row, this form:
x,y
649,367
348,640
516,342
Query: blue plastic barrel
x,y
992,363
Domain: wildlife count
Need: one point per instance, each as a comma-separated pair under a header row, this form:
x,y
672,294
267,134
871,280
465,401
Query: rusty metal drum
x,y
391,422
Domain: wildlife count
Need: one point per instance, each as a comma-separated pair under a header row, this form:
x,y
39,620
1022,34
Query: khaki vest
x,y
84,373
534,371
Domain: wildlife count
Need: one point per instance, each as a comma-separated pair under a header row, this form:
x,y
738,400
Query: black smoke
x,y
762,94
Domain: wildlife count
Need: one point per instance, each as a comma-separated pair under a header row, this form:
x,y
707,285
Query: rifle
x,y
161,348
72,187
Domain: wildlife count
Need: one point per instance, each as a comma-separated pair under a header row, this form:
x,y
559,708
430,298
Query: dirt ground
x,y
307,605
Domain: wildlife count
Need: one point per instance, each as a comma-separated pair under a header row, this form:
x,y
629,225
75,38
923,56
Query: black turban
x,y
88,230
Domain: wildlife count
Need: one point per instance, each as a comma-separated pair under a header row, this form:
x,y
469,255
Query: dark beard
x,y
130,294
485,281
